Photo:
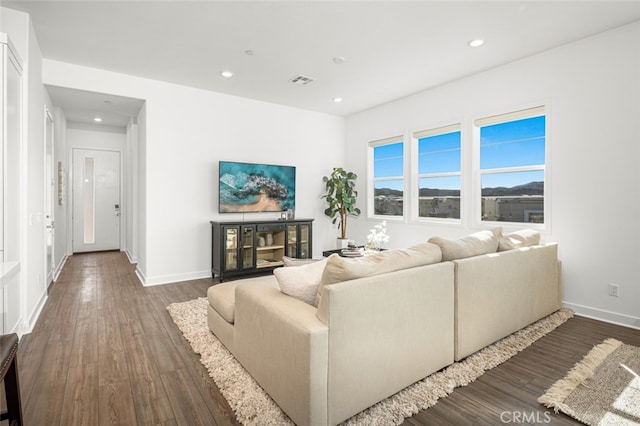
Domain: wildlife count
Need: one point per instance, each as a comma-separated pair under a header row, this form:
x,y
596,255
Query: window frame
x,y
371,180
416,175
478,173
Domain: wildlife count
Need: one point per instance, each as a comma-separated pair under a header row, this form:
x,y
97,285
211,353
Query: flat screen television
x,y
249,187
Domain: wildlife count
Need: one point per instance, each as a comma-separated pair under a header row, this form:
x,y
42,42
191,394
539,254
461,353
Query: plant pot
x,y
342,243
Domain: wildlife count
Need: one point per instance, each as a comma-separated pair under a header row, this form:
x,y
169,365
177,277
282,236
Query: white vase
x,y
342,243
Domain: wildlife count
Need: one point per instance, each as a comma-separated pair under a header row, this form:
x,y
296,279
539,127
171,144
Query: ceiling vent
x,y
302,80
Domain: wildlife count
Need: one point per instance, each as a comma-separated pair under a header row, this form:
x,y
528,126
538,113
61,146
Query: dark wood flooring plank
x,y
81,397
44,402
187,403
116,404
150,400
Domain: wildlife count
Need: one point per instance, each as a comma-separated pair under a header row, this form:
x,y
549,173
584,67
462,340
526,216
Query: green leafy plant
x,y
341,197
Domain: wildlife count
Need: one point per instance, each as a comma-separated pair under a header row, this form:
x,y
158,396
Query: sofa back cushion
x,y
517,239
475,244
340,269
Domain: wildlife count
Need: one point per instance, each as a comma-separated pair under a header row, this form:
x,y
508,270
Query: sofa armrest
x,y
500,293
282,344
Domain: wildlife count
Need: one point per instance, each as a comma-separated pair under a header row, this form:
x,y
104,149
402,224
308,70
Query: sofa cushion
x,y
517,239
292,261
475,244
340,269
222,298
301,281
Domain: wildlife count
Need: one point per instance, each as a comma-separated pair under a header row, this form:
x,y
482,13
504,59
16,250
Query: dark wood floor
x,y
105,351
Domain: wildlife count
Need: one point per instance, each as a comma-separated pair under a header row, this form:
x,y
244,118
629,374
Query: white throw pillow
x,y
517,239
302,281
475,244
293,261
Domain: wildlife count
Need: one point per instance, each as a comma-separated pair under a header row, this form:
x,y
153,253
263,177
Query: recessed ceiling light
x,y
476,43
248,52
337,100
97,120
226,74
338,60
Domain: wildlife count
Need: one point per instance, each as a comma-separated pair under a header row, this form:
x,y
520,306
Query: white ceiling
x,y
390,48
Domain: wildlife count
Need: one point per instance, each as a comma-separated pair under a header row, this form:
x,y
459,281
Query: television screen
x,y
248,187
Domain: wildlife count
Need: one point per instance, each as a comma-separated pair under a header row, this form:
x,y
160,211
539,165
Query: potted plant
x,y
341,197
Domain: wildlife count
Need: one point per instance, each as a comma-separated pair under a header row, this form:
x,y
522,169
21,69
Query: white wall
x,y
593,90
61,248
140,190
187,131
35,98
130,197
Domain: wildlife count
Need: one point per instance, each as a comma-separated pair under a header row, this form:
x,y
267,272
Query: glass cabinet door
x,y
231,248
247,248
292,240
305,241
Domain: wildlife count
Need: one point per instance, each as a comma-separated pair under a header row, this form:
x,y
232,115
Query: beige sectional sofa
x,y
379,323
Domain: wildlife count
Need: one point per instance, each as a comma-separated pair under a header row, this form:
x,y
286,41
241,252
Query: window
x,y
387,187
439,172
512,166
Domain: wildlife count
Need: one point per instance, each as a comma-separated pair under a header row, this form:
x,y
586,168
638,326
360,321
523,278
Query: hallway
x,y
105,351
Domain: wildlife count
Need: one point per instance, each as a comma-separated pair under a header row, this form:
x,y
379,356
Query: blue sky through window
x,y
513,144
388,160
439,153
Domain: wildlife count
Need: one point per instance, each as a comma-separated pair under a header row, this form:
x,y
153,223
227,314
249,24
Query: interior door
x,y
96,200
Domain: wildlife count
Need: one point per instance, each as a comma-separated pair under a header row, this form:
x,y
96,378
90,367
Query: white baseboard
x,y
33,318
140,275
56,272
168,279
133,260
602,315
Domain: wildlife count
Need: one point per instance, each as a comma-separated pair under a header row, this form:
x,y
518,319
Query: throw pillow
x,y
340,269
517,239
302,281
475,244
292,261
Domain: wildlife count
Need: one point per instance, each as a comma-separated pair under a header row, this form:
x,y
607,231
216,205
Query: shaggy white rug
x,y
252,405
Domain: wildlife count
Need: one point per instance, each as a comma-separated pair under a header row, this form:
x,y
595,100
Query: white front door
x,y
96,200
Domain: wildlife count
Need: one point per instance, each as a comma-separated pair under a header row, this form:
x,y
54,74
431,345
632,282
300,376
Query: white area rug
x,y
252,405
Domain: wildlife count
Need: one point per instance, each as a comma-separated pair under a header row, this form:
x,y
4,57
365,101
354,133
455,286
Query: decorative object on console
x,y
248,187
341,198
377,236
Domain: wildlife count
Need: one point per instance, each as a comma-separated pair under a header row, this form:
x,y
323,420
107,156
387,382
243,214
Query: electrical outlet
x,y
613,290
